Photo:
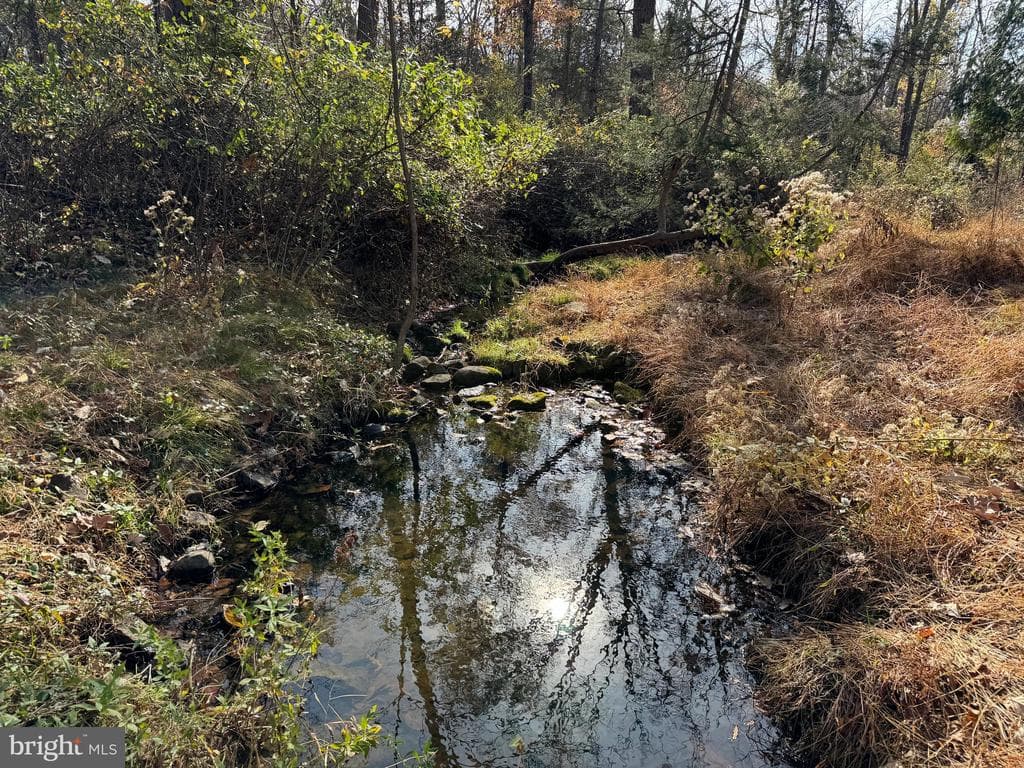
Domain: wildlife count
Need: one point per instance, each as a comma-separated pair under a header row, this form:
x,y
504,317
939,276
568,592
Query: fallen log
x,y
581,252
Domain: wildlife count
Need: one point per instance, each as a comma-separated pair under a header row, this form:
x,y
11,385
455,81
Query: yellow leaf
x,y
231,616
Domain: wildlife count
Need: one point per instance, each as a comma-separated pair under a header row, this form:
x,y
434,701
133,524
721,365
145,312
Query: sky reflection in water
x,y
521,597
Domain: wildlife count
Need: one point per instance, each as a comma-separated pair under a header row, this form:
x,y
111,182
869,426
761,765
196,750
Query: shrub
x,y
934,187
279,149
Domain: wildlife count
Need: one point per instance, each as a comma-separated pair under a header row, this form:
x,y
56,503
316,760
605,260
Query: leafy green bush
x,y
600,182
278,148
934,187
787,231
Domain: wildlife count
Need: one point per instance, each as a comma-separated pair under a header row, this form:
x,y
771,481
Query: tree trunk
x,y
641,74
529,51
410,196
832,30
920,56
594,81
565,86
665,193
582,252
729,86
366,22
412,36
784,44
897,42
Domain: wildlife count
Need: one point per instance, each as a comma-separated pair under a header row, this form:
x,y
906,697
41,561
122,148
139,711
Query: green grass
x,y
529,350
604,267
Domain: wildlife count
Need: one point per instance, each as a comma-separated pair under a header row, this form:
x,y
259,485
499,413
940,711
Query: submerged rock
x,y
475,375
528,401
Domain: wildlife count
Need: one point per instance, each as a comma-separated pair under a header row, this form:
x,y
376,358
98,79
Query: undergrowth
x,y
119,403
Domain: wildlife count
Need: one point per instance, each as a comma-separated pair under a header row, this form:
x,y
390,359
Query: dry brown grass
x,y
897,255
866,441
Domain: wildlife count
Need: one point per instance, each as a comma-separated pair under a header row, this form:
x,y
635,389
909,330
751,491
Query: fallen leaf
x,y
102,522
231,616
925,632
988,514
312,490
84,412
164,531
21,378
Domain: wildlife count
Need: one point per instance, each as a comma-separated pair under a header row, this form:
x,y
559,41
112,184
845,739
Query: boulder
x,y
575,311
194,497
475,375
197,519
66,485
432,345
451,361
195,565
437,383
62,482
625,394
470,391
251,481
528,401
415,369
399,415
482,402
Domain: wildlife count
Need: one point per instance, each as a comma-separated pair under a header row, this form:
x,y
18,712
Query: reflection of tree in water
x,y
485,670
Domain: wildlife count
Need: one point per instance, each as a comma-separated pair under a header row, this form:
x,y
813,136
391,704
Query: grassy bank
x,y
863,427
132,418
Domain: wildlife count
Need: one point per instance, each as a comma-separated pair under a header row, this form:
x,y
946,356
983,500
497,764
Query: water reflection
x,y
521,598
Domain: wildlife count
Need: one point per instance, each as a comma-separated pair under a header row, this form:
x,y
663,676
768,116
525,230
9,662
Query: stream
x,y
534,591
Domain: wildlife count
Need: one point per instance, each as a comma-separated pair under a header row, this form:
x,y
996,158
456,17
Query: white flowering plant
x,y
807,220
787,230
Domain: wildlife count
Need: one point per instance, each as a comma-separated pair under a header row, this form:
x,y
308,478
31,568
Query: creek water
x,y
528,593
